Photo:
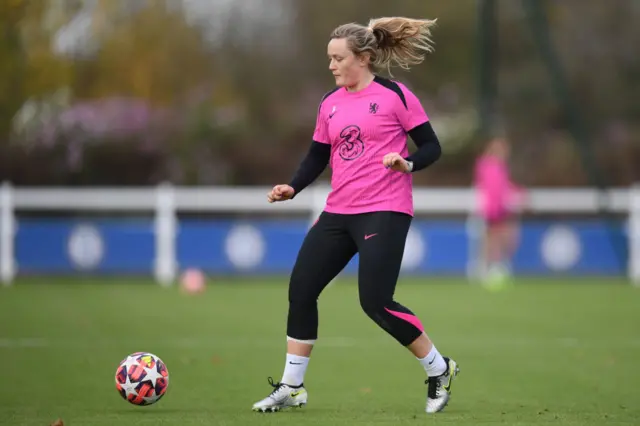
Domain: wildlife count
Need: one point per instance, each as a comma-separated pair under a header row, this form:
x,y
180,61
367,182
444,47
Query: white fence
x,y
165,202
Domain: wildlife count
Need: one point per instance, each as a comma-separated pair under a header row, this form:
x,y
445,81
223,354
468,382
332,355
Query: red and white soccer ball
x,y
142,378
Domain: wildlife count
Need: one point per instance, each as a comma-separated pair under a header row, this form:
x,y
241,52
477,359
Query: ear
x,y
364,59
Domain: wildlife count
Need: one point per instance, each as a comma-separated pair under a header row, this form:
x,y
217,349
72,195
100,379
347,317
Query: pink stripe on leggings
x,y
411,319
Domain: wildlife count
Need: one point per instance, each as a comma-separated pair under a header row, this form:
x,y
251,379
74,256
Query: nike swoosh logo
x,y
294,394
447,387
295,363
431,362
366,237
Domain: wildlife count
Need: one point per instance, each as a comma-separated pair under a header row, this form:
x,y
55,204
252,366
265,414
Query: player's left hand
x,y
394,161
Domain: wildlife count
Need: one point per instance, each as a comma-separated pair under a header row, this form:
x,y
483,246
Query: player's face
x,y
346,68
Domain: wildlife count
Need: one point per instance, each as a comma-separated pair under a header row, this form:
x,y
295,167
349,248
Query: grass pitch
x,y
543,351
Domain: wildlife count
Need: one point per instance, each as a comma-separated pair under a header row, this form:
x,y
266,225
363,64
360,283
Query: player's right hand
x,y
280,193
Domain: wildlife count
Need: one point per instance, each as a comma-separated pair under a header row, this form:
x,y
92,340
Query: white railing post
x,y
475,227
165,235
7,229
476,263
634,234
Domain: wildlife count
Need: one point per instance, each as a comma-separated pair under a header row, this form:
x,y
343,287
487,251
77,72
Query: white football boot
x,y
439,387
283,396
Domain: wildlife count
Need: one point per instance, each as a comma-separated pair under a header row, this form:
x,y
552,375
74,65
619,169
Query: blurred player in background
x,y
500,202
361,131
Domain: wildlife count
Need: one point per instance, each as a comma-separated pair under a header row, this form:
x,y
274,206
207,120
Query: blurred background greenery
x,y
199,92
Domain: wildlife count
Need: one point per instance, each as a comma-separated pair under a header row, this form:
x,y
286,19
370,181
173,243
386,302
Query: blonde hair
x,y
395,41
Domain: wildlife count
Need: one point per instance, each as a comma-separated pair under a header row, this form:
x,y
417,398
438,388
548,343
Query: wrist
x,y
294,186
409,165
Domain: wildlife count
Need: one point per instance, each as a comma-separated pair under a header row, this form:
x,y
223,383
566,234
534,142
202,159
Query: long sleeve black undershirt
x,y
317,158
429,149
312,166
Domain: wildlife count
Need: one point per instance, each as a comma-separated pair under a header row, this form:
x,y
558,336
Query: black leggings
x,y
379,239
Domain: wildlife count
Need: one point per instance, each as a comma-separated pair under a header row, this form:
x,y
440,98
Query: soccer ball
x,y
142,378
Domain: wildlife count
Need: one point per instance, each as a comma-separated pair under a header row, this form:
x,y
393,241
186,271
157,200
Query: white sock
x,y
294,369
433,363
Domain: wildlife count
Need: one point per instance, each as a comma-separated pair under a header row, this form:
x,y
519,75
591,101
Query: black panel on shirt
x,y
393,86
326,95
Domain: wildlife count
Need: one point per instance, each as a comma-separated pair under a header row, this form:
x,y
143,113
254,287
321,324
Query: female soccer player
x,y
500,199
361,131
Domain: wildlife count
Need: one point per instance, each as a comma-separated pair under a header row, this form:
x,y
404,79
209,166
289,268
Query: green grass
x,y
541,352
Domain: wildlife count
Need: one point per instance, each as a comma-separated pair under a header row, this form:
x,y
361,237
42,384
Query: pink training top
x,y
498,194
362,127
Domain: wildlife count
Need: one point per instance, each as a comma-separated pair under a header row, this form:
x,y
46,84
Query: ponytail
x,y
401,42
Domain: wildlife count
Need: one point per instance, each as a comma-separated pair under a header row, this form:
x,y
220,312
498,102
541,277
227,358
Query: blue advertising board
x,y
270,246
